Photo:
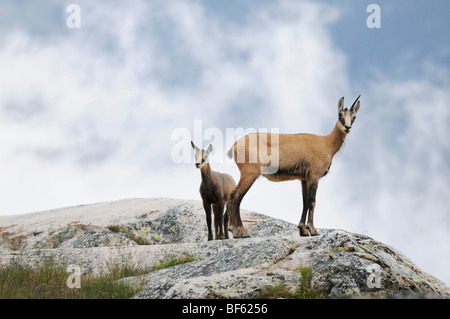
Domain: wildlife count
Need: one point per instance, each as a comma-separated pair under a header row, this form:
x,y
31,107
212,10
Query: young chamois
x,y
215,190
305,157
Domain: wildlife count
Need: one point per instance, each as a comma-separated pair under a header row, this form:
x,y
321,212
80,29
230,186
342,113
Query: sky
x,y
107,111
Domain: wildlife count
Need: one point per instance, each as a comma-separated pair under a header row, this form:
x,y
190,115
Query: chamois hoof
x,y
303,234
239,232
312,230
240,236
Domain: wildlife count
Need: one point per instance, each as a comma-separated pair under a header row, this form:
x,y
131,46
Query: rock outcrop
x,y
143,232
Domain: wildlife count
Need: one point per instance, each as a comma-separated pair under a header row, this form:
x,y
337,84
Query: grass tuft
x,y
304,291
48,281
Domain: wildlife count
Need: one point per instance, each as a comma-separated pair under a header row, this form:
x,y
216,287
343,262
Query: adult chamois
x,y
306,157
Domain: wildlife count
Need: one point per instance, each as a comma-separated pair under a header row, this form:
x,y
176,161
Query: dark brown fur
x,y
299,169
215,190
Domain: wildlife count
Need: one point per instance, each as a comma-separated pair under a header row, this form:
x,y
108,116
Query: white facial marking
x,y
345,120
201,158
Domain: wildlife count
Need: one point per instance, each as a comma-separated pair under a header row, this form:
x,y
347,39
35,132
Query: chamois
x,y
305,157
215,190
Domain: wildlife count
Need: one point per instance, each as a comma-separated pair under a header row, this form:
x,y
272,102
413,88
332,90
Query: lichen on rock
x,y
342,264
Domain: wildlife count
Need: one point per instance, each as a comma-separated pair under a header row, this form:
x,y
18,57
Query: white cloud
x,y
87,116
397,169
110,104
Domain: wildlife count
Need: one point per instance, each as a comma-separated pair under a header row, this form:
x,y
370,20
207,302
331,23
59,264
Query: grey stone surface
x,y
343,264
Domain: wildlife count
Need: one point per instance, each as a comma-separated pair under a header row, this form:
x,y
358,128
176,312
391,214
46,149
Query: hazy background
x,y
87,115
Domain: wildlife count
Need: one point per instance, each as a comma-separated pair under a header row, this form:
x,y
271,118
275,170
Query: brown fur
x,y
215,190
305,157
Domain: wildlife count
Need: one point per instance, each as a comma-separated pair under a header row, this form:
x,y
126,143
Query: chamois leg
x,y
218,220
233,208
301,224
312,189
207,208
221,221
225,224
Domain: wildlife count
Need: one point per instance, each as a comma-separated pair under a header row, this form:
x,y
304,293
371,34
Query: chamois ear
x,y
210,148
341,104
194,147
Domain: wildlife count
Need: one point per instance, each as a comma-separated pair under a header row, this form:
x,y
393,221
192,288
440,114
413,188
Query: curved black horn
x,y
355,102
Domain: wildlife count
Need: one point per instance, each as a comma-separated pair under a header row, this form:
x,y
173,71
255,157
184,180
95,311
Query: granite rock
x,y
102,236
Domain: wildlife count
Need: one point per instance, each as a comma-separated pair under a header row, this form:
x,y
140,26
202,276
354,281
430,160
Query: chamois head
x,y
201,156
346,116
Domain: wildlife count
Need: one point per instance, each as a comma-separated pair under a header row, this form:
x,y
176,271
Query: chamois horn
x,y
353,105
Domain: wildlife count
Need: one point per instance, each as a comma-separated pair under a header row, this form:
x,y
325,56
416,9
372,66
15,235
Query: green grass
x,y
166,263
50,282
304,291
